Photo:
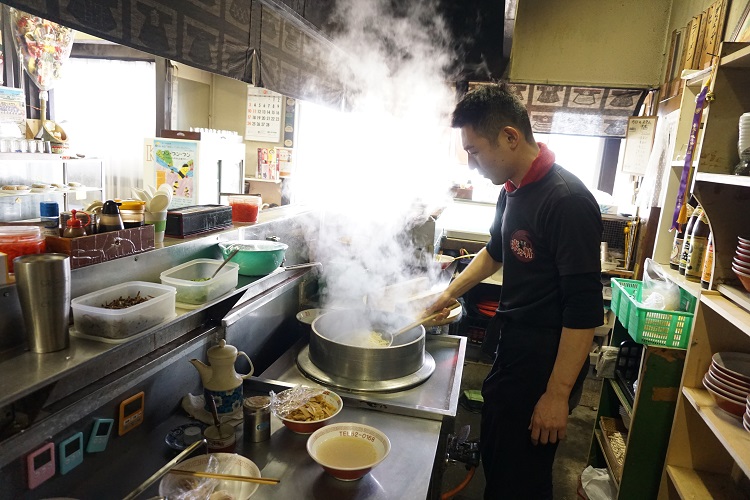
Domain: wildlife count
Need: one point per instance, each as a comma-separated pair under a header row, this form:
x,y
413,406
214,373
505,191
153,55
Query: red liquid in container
x,y
20,240
244,212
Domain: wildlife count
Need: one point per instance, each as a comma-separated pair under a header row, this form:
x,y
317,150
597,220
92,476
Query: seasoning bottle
x,y
74,227
110,219
688,235
697,248
679,237
257,419
708,263
49,213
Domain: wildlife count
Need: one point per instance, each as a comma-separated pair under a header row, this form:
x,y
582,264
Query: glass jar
x,y
20,240
133,213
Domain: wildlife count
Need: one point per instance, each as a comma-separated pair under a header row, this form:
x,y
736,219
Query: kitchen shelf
x,y
691,287
731,312
728,179
30,157
621,396
737,59
727,429
600,439
700,485
270,181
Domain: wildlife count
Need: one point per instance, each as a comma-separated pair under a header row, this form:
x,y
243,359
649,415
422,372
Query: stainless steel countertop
x,y
435,399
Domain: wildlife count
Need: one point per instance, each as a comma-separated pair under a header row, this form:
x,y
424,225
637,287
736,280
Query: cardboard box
x,y
87,250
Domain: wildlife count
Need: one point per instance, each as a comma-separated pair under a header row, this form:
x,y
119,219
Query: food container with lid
x,y
20,240
189,279
133,213
92,319
245,207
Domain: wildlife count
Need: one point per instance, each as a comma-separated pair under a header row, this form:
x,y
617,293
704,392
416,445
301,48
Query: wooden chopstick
x,y
230,477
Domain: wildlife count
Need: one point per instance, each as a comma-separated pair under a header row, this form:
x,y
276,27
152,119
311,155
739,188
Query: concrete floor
x,y
572,454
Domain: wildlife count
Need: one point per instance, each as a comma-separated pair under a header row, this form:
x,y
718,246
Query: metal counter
x,y
434,399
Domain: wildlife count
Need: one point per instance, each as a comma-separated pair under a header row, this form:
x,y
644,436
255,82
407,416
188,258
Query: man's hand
x,y
550,418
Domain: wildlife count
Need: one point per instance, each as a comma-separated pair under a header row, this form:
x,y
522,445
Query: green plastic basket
x,y
652,326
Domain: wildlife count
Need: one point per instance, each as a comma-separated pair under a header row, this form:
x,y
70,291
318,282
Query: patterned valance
x,y
591,111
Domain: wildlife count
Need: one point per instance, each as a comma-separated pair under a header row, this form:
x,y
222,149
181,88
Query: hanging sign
x,y
263,115
638,143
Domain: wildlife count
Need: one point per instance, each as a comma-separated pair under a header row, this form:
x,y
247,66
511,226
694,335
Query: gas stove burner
x,y
310,370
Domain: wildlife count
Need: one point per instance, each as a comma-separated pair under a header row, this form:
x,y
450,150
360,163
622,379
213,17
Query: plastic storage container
x,y
20,240
91,318
191,289
245,208
652,326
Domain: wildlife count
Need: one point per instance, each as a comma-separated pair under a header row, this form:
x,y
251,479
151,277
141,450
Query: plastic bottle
x,y
679,237
74,227
708,263
688,235
697,248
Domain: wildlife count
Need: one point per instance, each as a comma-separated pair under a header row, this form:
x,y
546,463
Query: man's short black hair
x,y
489,108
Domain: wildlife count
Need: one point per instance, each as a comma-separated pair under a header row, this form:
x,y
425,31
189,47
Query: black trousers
x,y
513,466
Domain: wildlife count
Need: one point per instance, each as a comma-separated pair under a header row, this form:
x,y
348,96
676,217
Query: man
x,y
545,235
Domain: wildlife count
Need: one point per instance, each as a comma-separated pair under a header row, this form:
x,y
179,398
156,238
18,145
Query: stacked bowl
x,y
743,145
728,382
741,262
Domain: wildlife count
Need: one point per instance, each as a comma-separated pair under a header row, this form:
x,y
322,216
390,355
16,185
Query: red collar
x,y
539,168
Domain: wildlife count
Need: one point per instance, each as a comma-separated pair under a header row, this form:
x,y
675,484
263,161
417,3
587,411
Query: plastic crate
x,y
652,326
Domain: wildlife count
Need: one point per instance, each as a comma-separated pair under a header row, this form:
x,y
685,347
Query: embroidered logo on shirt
x,y
521,246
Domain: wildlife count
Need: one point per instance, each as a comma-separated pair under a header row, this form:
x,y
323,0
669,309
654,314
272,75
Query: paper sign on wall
x,y
263,115
175,165
638,143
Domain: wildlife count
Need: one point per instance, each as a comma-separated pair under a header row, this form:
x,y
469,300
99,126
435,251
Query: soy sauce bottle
x,y
110,219
688,236
679,237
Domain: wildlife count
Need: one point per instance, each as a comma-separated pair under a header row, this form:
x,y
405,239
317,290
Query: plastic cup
x,y
159,220
245,208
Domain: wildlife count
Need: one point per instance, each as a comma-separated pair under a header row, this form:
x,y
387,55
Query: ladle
x,y
424,319
227,259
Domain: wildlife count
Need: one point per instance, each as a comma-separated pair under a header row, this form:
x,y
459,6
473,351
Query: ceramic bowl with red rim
x,y
742,255
743,241
729,389
724,378
742,266
746,422
318,419
743,276
348,451
724,400
735,364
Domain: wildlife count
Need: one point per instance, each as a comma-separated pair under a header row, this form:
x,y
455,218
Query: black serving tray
x,y
198,219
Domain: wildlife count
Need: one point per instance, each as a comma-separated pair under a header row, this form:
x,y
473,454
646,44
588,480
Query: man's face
x,y
489,157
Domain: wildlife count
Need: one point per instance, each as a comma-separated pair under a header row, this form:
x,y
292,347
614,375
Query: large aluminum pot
x,y
341,345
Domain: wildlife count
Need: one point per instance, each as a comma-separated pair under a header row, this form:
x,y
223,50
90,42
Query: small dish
x,y
175,437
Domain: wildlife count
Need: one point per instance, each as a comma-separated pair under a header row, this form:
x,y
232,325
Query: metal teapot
x,y
220,381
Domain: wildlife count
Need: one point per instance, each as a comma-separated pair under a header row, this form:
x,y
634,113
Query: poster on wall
x,y
638,143
175,165
263,115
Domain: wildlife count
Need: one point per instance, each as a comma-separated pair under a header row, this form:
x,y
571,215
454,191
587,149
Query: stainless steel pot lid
x,y
310,370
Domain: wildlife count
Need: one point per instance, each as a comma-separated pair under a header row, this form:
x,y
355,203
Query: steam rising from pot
x,y
382,167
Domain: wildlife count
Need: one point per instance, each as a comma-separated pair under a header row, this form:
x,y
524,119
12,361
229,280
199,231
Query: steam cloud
x,y
381,167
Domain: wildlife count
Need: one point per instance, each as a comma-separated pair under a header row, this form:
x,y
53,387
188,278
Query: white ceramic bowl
x,y
229,463
348,451
308,315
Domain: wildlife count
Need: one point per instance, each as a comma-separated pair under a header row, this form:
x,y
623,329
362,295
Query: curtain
x,y
107,108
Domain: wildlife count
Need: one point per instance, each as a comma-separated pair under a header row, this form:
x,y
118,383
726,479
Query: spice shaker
x,y
257,419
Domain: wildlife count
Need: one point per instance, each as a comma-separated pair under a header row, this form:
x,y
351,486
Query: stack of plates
x,y
728,382
744,140
741,262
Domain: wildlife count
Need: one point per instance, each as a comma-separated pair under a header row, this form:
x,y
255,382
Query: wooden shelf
x,y
738,59
728,179
691,287
621,396
727,429
732,313
600,440
701,485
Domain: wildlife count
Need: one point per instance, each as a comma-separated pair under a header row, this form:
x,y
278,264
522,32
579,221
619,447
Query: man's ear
x,y
511,136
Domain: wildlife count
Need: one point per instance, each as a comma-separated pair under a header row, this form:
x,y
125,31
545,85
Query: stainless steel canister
x,y
43,283
257,419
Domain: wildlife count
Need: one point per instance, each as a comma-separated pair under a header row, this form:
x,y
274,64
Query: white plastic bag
x,y
597,484
658,291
